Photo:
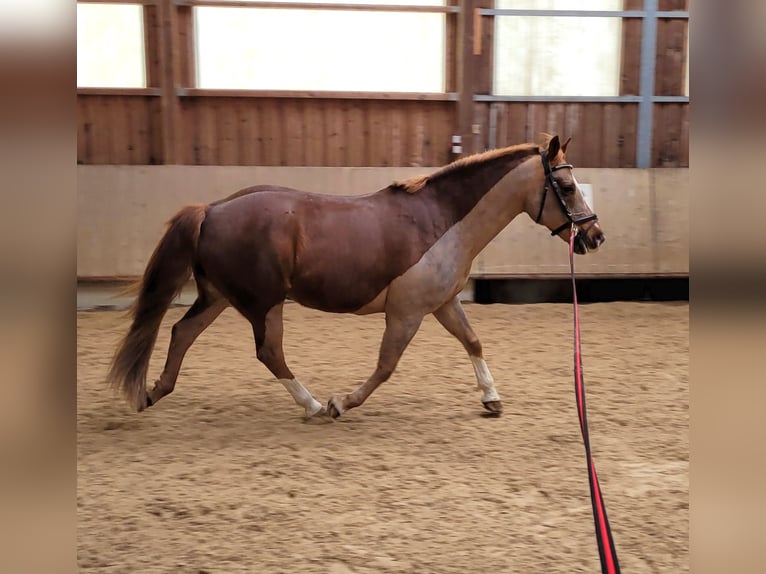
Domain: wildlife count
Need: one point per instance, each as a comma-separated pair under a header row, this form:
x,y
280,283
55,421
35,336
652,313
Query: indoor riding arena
x,y
187,102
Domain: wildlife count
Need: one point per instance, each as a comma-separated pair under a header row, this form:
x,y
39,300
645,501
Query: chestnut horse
x,y
405,251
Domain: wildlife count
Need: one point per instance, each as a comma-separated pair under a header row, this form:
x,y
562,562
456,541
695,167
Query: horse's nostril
x,y
600,238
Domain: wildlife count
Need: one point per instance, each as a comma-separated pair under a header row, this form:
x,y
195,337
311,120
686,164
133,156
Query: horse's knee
x,y
473,346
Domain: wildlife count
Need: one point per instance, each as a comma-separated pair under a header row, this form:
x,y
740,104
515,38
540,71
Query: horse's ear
x,y
566,143
553,147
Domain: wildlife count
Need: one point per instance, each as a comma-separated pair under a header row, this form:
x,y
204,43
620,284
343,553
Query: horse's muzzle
x,y
590,240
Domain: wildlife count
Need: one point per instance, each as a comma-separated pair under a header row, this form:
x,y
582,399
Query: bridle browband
x,y
572,218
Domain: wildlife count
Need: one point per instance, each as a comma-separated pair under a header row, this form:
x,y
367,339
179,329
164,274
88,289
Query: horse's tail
x,y
168,269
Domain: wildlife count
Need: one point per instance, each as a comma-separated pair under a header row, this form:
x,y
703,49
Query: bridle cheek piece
x,y
573,219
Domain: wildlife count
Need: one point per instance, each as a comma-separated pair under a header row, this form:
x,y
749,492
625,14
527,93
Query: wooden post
x,y
466,76
169,80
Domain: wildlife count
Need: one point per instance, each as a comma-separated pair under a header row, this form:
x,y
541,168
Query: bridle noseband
x,y
572,218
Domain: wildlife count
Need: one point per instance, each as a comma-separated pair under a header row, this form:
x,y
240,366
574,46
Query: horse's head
x,y
560,205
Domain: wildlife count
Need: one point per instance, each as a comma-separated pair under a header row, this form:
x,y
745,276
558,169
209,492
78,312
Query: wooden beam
x,y
142,2
314,94
372,7
151,45
169,81
466,76
118,92
450,50
186,51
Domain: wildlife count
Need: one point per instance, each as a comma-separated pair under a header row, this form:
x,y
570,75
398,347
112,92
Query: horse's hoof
x,y
494,408
333,409
318,418
145,403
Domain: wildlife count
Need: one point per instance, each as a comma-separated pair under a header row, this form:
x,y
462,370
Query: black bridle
x,y
572,218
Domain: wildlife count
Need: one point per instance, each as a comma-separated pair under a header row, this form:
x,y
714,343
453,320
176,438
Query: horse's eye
x,y
568,189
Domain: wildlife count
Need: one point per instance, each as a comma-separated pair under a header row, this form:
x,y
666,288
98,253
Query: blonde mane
x,y
415,184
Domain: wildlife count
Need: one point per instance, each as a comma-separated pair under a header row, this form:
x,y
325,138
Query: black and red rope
x,y
606,551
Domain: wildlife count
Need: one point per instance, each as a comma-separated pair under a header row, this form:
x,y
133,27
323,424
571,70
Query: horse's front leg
x,y
452,317
398,334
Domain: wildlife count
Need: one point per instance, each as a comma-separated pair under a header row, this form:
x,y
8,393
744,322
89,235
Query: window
x,y
273,49
557,56
110,46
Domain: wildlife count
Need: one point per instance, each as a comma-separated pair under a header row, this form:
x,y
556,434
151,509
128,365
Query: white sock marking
x,y
302,396
484,380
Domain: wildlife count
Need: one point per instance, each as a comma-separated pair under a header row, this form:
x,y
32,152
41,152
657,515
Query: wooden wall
x,y
160,125
121,211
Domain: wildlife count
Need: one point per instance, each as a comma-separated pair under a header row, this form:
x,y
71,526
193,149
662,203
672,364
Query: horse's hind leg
x,y
201,314
398,334
268,331
452,317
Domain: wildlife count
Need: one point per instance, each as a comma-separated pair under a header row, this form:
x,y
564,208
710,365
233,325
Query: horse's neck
x,y
499,206
461,186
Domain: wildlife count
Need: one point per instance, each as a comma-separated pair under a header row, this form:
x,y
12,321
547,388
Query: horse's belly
x,y
338,294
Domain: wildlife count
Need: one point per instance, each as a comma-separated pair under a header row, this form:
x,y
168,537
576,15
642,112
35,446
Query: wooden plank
x,y
269,136
481,119
630,66
379,134
659,136
418,135
143,2
187,70
247,141
516,122
629,141
485,43
84,130
103,131
205,132
671,57
132,132
450,45
573,128
538,121
293,150
398,124
667,135
371,7
357,136
155,131
314,132
335,142
611,135
141,118
466,74
556,120
500,111
671,5
137,92
683,151
429,140
445,115
593,146
314,94
122,134
168,80
151,45
408,133
227,132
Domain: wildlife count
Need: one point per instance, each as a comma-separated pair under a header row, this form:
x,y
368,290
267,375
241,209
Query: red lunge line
x,y
607,553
